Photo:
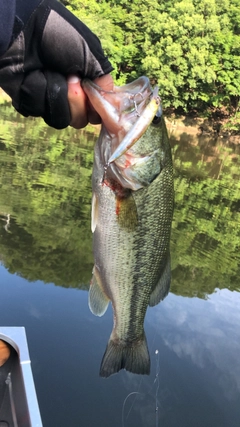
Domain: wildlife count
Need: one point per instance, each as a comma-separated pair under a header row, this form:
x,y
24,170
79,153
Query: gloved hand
x,y
49,43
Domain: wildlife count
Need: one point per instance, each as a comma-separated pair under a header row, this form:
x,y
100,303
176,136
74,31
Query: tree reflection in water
x,y
45,198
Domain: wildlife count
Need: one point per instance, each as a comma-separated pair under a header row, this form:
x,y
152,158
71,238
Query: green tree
x,y
101,18
190,48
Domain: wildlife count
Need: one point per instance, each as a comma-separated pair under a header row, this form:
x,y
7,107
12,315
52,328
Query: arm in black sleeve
x,y
7,15
49,44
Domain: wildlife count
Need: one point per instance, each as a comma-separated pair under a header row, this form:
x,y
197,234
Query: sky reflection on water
x,y
194,377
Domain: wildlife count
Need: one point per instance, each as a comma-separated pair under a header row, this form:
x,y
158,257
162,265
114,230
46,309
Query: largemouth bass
x,y
132,211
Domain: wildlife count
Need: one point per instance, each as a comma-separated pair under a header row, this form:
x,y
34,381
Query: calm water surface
x,y
45,269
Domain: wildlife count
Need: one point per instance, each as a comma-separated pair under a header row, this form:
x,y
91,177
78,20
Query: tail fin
x,y
133,357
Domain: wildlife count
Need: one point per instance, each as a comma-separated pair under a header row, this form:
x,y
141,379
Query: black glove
x,y
48,44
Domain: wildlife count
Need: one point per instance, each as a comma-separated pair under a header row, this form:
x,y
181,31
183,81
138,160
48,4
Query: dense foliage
x,y
191,48
45,204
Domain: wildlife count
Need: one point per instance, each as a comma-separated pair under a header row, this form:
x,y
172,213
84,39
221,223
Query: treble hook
x,y
135,104
105,172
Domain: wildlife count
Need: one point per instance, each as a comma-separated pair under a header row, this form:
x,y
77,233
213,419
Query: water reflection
x,y
197,365
45,191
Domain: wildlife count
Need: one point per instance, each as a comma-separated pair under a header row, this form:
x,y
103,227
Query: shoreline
x,y
200,127
183,124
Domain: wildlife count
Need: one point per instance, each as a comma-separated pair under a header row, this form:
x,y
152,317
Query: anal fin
x,y
161,289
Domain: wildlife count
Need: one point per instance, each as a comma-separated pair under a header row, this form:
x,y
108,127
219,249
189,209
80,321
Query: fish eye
x,y
156,120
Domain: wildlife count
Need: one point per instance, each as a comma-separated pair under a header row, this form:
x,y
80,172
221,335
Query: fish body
x,y
131,233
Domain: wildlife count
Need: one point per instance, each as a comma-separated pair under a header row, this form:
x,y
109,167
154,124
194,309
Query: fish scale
x,y
131,237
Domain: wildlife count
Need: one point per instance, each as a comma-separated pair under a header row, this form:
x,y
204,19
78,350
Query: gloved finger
x,y
32,94
77,102
45,94
57,112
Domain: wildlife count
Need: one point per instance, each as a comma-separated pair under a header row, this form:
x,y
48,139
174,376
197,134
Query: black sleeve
x,y
47,43
7,15
8,10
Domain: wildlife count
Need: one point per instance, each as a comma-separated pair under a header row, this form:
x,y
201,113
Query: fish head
x,y
126,113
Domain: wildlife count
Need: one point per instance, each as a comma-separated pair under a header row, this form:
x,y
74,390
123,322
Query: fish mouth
x,y
126,113
121,105
123,97
139,127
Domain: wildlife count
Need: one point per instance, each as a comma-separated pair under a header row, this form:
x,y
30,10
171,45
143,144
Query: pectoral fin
x,y
94,212
97,299
161,290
